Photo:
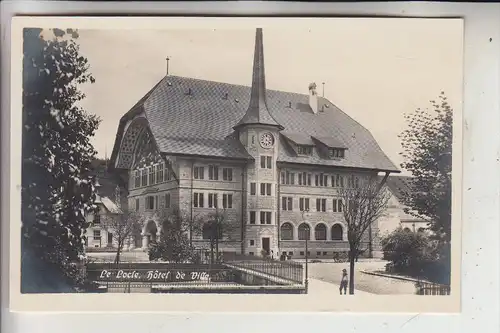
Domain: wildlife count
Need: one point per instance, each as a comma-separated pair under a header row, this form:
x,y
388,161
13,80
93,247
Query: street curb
x,y
392,276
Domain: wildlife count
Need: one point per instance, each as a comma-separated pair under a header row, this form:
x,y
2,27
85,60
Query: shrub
x,y
173,248
412,253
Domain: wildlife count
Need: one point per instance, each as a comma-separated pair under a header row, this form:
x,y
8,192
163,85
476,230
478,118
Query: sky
x,y
375,70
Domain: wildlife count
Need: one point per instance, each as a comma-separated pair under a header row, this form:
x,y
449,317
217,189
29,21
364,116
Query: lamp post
x,y
307,235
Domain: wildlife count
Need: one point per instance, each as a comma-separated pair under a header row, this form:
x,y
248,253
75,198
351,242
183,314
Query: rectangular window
x,y
159,173
199,173
156,201
286,203
151,171
325,180
137,205
304,150
304,178
198,201
150,202
266,162
252,242
287,178
212,200
97,235
353,181
316,180
253,189
304,204
337,205
321,205
167,200
168,174
213,172
252,218
336,153
265,217
137,178
227,201
144,177
321,180
337,181
227,174
265,189
97,218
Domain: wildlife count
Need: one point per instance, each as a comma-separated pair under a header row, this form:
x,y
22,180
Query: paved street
x,y
331,272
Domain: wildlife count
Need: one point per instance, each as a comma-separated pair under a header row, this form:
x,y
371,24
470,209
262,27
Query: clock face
x,y
266,140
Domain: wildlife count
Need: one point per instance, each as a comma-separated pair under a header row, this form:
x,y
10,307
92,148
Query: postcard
x,y
233,164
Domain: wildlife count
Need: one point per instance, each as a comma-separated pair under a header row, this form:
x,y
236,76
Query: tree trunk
x,y
211,251
352,261
217,248
117,259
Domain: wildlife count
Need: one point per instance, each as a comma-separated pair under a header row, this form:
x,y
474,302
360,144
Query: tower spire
x,y
258,112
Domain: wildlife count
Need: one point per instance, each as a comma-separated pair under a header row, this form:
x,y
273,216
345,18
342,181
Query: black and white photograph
x,y
315,158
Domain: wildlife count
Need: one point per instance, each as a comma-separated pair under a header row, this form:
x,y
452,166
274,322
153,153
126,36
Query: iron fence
x,y
433,289
286,270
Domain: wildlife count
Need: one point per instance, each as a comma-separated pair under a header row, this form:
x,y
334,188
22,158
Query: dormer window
x,y
304,150
336,153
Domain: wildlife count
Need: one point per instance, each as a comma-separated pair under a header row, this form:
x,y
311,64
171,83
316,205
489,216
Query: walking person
x,y
344,282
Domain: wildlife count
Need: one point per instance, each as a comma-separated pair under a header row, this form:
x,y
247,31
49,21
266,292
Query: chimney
x,y
313,97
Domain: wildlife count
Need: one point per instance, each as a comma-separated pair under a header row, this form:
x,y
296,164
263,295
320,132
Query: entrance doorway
x,y
110,239
266,245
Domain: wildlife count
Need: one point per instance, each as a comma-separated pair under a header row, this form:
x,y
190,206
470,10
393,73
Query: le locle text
x,y
153,275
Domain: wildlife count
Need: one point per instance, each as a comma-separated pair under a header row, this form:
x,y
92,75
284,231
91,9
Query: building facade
x,y
270,161
100,237
396,215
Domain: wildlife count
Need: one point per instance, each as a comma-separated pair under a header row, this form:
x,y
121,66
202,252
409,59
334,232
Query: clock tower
x,y
258,131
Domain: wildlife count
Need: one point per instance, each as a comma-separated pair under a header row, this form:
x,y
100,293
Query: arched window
x,y
286,231
421,229
406,229
304,232
320,231
337,232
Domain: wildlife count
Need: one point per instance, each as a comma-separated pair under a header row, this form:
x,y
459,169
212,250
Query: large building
x,y
397,215
271,160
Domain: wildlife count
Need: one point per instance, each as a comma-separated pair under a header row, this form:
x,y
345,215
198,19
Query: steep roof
x,y
109,204
190,116
299,138
398,185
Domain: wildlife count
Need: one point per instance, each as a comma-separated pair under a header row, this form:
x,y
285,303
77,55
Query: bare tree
x,y
124,226
363,203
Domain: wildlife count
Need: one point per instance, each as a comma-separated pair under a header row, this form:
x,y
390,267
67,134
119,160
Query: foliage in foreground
x,y
417,255
56,189
427,150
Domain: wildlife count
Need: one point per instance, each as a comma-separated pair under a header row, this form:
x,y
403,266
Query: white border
x,y
480,210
